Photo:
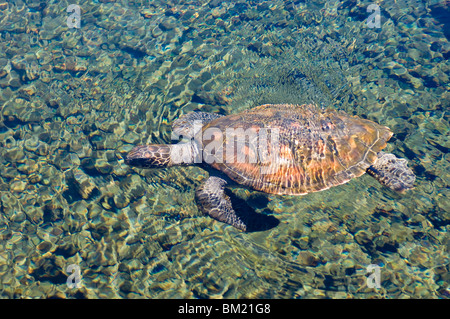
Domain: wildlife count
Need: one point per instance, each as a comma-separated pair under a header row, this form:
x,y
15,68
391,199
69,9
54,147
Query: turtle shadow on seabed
x,y
255,221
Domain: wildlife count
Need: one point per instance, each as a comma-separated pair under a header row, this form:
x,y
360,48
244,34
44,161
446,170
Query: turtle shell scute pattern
x,y
314,148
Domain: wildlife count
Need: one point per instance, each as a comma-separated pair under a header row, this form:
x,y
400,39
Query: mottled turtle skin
x,y
314,149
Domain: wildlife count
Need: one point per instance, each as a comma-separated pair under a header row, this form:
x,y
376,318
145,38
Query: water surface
x,y
74,101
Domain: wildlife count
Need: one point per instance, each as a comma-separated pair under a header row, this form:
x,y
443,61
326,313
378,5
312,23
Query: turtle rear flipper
x,y
392,172
213,200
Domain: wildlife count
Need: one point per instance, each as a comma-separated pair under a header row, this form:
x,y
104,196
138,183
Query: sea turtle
x,y
278,149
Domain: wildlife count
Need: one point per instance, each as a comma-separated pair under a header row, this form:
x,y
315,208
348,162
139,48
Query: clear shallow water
x,y
74,101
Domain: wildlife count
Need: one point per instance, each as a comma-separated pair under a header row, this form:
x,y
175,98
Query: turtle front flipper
x,y
392,172
221,204
213,201
161,155
190,124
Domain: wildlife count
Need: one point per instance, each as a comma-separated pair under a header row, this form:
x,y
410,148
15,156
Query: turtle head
x,y
149,156
160,155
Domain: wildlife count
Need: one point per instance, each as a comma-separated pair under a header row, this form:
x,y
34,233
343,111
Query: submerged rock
x,y
83,184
